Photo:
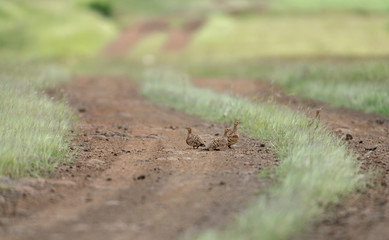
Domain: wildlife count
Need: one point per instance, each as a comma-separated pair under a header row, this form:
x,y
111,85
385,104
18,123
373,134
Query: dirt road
x,y
134,177
364,214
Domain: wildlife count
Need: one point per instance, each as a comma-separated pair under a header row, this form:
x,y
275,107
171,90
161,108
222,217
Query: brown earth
x,y
134,176
132,35
364,214
178,37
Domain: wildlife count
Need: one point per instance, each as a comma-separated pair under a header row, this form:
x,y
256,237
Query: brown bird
x,y
316,119
194,140
233,136
219,143
318,111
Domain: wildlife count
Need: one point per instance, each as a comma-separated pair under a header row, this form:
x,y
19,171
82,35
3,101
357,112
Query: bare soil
x,y
178,37
134,176
361,215
132,35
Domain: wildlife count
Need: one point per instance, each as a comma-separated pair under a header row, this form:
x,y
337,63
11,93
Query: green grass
x,y
316,167
358,84
226,38
52,30
33,128
331,5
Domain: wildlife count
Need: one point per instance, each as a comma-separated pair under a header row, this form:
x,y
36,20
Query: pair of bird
x,y
218,143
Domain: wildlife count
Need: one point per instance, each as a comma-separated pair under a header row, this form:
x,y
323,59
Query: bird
x,y
218,143
233,136
316,119
194,140
318,111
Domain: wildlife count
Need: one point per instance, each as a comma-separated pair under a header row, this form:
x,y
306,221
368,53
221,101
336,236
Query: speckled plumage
x,y
219,143
194,140
233,136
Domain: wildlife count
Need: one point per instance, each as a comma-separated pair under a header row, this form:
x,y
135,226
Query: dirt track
x,y
135,177
362,215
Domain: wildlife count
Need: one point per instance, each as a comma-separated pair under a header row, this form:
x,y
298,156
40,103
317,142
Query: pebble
x,y
141,177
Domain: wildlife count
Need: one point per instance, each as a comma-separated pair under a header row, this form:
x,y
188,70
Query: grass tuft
x,y
33,128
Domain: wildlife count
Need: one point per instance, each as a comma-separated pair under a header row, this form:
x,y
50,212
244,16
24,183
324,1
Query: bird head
x,y
236,122
318,111
226,131
189,130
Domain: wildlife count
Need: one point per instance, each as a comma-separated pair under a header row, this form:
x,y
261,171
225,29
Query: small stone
x,y
141,177
380,121
371,149
348,137
82,110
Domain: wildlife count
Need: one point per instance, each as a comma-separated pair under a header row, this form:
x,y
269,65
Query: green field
x,y
46,30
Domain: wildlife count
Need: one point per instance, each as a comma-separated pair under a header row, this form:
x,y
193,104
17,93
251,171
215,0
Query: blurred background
x,y
292,43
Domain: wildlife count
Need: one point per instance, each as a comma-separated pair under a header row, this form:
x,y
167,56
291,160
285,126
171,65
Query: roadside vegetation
x,y
42,29
316,167
358,84
33,128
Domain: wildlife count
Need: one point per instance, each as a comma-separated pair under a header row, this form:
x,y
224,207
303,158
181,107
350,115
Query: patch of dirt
x,y
361,215
178,37
134,176
132,35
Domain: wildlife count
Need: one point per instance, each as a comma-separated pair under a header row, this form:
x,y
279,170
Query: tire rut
x,y
134,176
363,214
